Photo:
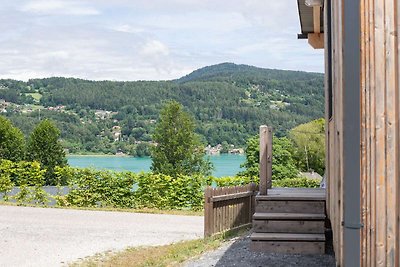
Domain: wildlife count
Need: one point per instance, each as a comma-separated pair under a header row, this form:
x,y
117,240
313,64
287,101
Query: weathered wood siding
x,y
379,144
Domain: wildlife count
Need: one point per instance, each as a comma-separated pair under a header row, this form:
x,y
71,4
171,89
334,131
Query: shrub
x,y
29,174
232,181
92,188
166,192
6,184
296,182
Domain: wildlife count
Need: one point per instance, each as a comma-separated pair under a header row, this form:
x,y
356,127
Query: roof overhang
x,y
312,24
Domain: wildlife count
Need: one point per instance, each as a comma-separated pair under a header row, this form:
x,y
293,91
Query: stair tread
x,y
288,216
287,237
292,197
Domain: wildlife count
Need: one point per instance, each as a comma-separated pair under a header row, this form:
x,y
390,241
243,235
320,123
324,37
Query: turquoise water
x,y
225,164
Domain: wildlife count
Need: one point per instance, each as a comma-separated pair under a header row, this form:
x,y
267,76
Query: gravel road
x,y
54,237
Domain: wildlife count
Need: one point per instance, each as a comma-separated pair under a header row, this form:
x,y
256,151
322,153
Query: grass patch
x,y
151,211
168,255
36,96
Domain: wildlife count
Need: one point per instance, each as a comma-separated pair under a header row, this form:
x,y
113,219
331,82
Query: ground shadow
x,y
239,254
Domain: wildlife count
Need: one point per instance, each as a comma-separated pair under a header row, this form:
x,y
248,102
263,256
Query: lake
x,y
225,164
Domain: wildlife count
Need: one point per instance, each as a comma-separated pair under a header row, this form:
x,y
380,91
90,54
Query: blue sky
x,y
148,39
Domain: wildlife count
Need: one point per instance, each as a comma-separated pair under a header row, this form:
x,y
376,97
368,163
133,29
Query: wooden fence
x,y
226,208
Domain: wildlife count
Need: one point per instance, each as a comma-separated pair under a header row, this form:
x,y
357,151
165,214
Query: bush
x,y
25,175
92,188
233,181
166,192
6,184
296,182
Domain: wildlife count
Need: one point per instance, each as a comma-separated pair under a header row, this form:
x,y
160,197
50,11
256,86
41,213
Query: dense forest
x,y
229,102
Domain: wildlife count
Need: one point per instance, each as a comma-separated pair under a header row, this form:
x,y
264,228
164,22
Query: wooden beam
x,y
316,40
317,19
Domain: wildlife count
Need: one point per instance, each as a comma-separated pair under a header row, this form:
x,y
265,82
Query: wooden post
x,y
208,212
265,159
269,158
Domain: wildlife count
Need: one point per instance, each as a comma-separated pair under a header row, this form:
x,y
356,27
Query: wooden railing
x,y
265,159
226,208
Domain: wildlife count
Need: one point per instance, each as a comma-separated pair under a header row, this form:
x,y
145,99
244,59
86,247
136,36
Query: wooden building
x,y
361,43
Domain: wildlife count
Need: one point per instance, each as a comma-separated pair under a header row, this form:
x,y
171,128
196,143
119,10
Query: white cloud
x,y
58,7
147,40
154,48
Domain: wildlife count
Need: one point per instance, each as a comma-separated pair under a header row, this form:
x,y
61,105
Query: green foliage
x,y
296,182
178,150
6,184
309,144
92,188
283,164
252,165
166,192
26,175
228,101
233,180
12,142
44,147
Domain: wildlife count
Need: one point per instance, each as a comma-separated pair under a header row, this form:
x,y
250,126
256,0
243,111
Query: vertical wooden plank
x,y
317,19
380,133
367,108
372,137
223,218
263,159
207,215
215,213
363,174
392,156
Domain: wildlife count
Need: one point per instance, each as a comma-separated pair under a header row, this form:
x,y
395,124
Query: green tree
x,y
283,164
45,148
178,150
309,144
252,151
12,141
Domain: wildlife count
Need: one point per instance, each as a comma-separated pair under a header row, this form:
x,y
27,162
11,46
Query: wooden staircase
x,y
290,220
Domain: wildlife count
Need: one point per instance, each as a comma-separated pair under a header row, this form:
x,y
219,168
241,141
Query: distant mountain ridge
x,y
230,70
228,101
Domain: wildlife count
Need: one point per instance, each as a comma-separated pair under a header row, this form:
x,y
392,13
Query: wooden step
x,y
288,243
297,197
288,216
290,206
288,247
310,194
287,237
288,223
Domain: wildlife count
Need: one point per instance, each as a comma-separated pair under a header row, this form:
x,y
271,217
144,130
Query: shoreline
x,y
129,156
102,155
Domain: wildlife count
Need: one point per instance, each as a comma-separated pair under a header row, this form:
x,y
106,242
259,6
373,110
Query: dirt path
x,y
54,237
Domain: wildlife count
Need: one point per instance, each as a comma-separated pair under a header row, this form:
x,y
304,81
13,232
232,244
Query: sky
x,y
129,40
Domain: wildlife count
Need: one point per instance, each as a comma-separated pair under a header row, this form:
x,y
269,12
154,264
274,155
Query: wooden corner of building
x,y
316,40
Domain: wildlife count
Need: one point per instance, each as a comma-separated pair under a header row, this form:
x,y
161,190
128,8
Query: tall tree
x,y
309,143
283,164
44,147
178,149
12,141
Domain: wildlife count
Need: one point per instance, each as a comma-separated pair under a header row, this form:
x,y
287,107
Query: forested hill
x,y
228,101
